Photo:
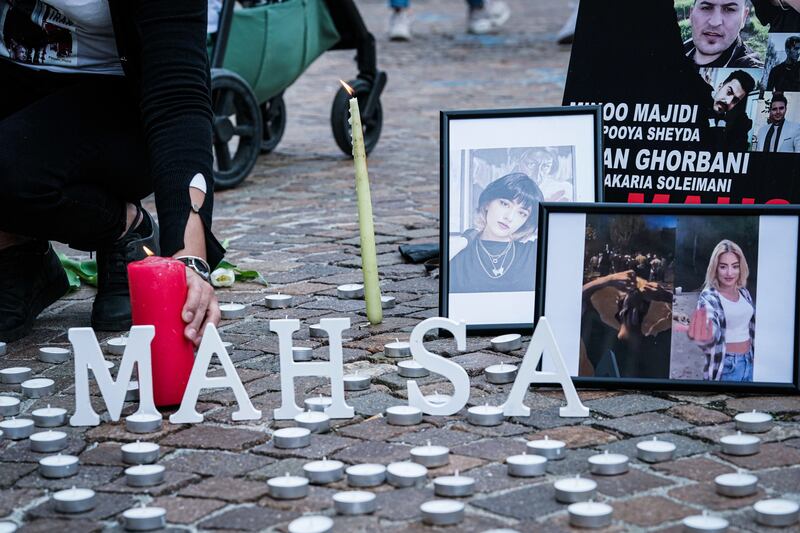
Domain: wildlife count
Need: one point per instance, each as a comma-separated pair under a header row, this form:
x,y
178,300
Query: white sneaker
x,y
400,25
489,18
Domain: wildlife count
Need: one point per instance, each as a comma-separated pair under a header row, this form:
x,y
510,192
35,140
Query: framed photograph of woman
x,y
496,168
683,297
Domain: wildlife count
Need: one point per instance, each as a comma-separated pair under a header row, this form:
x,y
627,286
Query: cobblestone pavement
x,y
294,219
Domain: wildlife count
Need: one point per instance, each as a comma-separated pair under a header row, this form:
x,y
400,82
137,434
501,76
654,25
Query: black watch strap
x,y
198,264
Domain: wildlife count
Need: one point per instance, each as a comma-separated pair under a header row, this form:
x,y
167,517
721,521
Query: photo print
x,y
497,168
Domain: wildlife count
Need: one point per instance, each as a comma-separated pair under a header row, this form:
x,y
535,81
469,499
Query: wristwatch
x,y
198,264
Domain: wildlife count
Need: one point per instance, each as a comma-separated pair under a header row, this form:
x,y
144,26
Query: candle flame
x,y
347,88
148,251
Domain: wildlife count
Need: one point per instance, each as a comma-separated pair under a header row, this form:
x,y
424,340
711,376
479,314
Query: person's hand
x,y
653,292
624,281
701,330
201,307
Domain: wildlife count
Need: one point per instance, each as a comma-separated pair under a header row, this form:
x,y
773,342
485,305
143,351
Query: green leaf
x,y
244,275
81,270
74,280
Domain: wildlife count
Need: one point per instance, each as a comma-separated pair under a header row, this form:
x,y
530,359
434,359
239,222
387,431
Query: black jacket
x,y
162,48
738,55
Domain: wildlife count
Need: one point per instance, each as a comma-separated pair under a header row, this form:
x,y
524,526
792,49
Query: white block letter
x,y
438,364
333,368
87,354
210,345
543,343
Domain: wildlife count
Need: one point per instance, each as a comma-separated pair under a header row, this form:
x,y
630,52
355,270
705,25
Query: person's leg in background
x,y
486,16
399,20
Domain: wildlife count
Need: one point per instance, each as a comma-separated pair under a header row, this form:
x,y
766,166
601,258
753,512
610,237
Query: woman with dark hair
x,y
501,252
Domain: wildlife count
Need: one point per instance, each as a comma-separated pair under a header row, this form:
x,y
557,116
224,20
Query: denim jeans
x,y
402,4
737,367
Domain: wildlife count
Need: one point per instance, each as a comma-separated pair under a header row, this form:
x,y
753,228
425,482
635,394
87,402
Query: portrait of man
x,y
779,135
715,41
729,124
786,76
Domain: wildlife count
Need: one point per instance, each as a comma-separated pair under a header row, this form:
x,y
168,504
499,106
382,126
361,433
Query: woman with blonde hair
x,y
723,325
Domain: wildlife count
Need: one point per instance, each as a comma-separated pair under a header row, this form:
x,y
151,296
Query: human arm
x,y
623,281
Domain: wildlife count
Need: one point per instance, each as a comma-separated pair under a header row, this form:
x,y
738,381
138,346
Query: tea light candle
x,y
7,527
49,417
403,415
232,311
314,421
485,415
411,369
144,518
143,423
575,489
48,441
388,302
740,444
290,438
438,399
397,349
442,512
16,428
288,487
354,502
501,374
356,382
454,486
311,524
655,451
116,346
108,364
51,354
316,331
705,524
320,403
37,387
58,466
736,485
406,474
589,514
430,456
15,375
132,394
777,512
324,471
140,453
608,464
9,406
302,354
278,301
552,449
350,291
526,465
144,475
507,343
753,422
366,475
74,500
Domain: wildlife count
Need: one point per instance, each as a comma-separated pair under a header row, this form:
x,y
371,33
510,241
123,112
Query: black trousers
x,y
71,155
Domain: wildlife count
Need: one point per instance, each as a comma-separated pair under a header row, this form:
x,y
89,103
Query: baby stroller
x,y
261,47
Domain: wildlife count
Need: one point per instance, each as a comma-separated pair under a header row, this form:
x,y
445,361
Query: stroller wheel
x,y
273,115
236,127
340,116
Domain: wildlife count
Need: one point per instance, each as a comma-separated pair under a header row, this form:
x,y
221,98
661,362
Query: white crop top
x,y
737,319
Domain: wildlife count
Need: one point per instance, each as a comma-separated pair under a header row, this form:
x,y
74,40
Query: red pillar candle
x,y
158,293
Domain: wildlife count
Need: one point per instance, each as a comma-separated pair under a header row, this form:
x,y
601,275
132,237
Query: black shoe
x,y
112,305
31,278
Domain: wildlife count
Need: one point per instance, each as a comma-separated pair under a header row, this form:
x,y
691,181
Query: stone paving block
x,y
110,454
172,482
546,418
373,403
107,505
215,463
518,503
62,523
225,488
472,523
458,463
574,463
632,482
684,446
116,432
576,436
207,437
491,449
402,504
437,436
628,404
187,510
771,455
645,424
559,523
321,445
11,472
783,480
395,381
378,429
705,495
770,404
696,468
779,432
696,414
248,518
505,429
20,451
475,363
319,499
373,452
87,476
649,511
282,467
13,498
494,477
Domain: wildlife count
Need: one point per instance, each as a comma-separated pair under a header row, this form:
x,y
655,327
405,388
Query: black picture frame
x,y
447,118
547,210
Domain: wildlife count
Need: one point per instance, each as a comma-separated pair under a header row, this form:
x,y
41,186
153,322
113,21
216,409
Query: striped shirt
x,y
715,350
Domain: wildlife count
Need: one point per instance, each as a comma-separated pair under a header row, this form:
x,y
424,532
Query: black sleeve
x,y
175,96
765,11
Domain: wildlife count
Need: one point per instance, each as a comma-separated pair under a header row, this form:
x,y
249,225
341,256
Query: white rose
x,y
223,277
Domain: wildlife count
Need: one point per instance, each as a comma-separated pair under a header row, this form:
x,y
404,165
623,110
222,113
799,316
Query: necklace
x,y
497,271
